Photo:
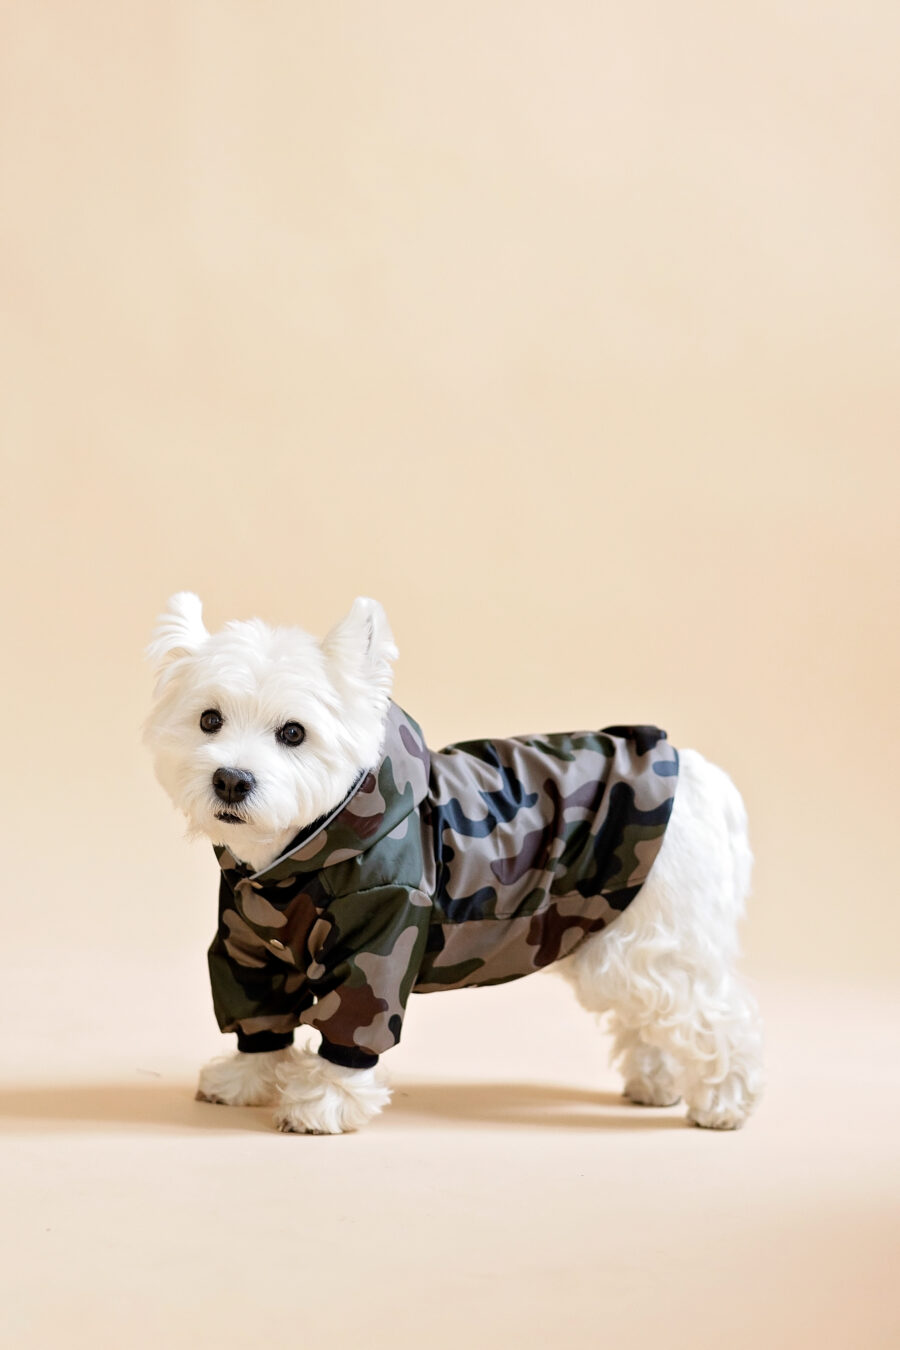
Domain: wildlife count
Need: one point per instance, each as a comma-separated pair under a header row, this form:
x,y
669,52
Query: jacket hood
x,y
378,802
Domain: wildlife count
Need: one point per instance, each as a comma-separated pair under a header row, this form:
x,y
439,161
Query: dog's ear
x,y
362,645
179,632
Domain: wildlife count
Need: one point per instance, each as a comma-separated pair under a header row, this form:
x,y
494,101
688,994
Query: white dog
x,y
358,866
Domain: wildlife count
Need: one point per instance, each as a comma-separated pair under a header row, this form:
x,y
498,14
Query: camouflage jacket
x,y
471,865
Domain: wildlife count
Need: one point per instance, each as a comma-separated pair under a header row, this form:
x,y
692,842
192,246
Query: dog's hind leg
x,y
705,1047
651,1075
665,968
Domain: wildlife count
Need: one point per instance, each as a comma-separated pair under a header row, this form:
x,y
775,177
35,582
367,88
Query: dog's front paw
x,y
241,1080
318,1097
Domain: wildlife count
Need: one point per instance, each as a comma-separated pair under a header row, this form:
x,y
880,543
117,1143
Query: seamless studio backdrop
x,y
571,335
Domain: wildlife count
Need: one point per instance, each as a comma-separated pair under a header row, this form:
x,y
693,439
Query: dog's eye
x,y
291,733
211,721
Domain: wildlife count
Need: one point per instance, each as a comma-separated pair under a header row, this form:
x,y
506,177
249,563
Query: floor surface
x,y
519,1202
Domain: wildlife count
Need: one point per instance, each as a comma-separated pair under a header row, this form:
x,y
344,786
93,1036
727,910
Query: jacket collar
x,y
377,803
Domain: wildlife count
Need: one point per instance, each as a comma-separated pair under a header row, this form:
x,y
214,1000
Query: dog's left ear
x,y
362,645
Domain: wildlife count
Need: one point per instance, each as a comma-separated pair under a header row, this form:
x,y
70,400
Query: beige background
x,y
571,333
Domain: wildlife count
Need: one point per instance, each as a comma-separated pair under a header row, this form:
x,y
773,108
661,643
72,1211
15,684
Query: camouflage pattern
x,y
472,865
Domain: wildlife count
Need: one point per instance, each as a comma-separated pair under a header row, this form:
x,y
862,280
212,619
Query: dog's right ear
x,y
179,632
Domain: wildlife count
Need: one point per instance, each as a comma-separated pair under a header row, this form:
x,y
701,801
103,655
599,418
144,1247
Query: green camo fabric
x,y
471,865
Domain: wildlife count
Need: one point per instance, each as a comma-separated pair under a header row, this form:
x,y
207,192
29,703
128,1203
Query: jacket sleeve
x,y
363,971
254,994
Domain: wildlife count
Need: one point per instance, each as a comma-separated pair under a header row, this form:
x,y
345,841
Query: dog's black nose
x,y
233,785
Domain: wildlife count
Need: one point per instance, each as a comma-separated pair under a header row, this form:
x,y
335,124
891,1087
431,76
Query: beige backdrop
x,y
570,332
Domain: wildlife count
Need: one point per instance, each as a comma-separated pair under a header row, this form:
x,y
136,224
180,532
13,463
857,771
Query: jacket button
x,y
279,946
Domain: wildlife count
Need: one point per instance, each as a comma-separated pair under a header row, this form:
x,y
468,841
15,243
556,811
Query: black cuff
x,y
350,1056
261,1041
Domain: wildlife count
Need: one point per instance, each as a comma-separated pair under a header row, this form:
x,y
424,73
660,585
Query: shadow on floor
x,y
89,1106
85,1106
547,1105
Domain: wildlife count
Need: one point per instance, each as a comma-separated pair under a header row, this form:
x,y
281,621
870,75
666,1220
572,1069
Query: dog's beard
x,y
255,822
247,837
230,815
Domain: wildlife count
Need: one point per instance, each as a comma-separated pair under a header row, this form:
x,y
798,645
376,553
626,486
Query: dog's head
x,y
258,731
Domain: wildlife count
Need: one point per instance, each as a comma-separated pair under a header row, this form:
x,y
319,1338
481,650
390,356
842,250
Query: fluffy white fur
x,y
241,1080
259,678
316,1097
683,1024
312,1096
